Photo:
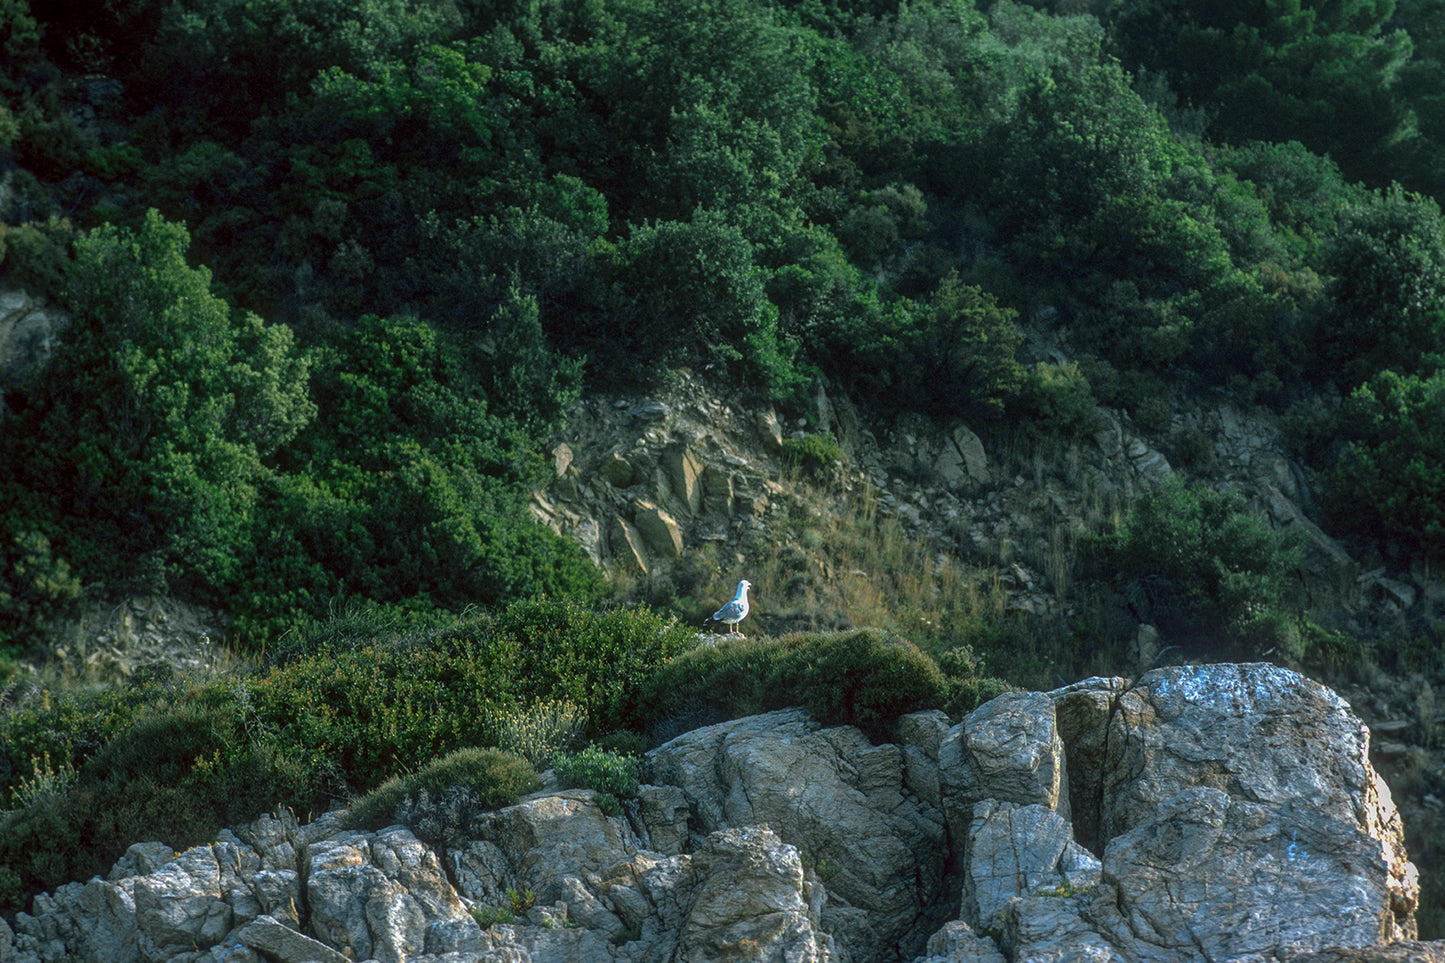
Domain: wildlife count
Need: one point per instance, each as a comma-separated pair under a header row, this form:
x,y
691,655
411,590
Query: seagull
x,y
736,610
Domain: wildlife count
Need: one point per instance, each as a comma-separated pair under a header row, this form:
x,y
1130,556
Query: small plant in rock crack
x,y
825,871
492,915
521,899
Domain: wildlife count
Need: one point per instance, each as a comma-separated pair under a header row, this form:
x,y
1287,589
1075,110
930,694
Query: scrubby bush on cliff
x,y
174,772
1199,565
862,677
1389,482
440,800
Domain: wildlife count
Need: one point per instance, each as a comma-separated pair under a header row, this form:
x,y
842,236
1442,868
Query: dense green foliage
x,y
338,269
862,677
388,716
440,799
1391,478
1194,562
425,226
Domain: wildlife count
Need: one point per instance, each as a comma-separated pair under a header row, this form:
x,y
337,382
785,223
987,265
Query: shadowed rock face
x,y
1199,813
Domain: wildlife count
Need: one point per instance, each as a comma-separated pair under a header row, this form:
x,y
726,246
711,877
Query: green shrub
x,y
862,677
1197,564
1390,481
1058,399
177,774
386,708
606,772
812,451
540,731
441,799
36,587
596,660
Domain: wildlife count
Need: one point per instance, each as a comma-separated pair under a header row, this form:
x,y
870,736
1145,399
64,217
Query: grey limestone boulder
x,y
841,800
1008,749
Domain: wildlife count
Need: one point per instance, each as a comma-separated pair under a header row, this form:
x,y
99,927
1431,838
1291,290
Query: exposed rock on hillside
x,y
29,330
1221,812
642,481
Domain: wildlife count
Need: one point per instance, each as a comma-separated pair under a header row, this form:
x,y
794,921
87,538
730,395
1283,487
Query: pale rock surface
x,y
1236,812
921,735
958,943
1013,851
743,889
1008,749
836,797
278,941
659,530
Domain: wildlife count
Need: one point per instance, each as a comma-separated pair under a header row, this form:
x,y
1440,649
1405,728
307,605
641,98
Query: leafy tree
x,y
704,300
951,357
151,430
1390,481
414,492
1322,73
1386,265
527,380
1196,563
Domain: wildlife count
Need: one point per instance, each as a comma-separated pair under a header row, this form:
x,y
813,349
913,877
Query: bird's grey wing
x,y
732,610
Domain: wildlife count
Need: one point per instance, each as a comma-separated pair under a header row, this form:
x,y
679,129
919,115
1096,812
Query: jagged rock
x,y
649,411
962,459
381,896
1050,929
617,470
958,943
1234,806
1149,463
29,331
833,795
1224,878
770,430
717,488
142,859
660,531
1256,731
684,475
282,943
1008,749
628,546
563,849
1011,850
1406,951
660,814
1321,557
921,735
181,906
743,891
1082,712
561,458
1233,786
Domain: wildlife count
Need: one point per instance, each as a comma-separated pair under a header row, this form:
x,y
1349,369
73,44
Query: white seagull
x,y
736,610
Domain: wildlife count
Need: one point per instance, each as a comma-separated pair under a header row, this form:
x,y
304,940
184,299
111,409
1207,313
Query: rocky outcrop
x,y
1198,813
30,329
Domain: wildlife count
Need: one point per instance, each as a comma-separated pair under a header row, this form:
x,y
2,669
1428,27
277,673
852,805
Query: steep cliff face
x,y
1219,812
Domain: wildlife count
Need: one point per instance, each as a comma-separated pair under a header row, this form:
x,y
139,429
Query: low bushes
x,y
440,800
863,677
176,773
414,727
1202,568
